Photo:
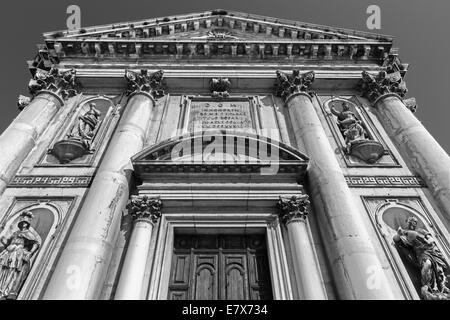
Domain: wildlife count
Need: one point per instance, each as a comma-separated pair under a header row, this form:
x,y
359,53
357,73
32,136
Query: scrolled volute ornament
x,y
286,85
293,208
61,83
144,82
145,208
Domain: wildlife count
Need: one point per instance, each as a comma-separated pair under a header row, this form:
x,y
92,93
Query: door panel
x,y
226,267
205,278
236,280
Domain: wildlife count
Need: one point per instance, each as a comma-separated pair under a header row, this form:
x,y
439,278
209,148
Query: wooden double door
x,y
220,267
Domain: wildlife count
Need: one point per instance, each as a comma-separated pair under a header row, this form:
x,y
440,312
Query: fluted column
x,y
145,212
349,248
81,269
293,212
417,146
50,89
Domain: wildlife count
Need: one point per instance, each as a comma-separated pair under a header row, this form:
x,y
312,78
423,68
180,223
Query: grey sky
x,y
420,27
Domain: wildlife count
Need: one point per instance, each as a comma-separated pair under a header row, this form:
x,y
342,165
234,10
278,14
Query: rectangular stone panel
x,y
221,115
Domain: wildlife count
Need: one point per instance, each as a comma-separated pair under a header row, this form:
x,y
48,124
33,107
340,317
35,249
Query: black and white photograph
x,y
225,151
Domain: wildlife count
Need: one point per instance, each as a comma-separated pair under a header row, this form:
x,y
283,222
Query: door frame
x,y
266,223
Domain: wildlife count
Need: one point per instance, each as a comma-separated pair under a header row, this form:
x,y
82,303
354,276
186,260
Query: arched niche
x,y
43,224
393,215
63,144
353,132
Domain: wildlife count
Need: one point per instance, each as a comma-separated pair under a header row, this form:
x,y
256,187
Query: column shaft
x,y
417,146
133,270
81,269
306,268
349,247
20,137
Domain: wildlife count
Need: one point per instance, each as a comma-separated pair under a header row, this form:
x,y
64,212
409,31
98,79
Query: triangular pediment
x,y
217,24
217,34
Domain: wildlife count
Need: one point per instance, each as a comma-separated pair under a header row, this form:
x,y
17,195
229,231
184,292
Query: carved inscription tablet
x,y
222,115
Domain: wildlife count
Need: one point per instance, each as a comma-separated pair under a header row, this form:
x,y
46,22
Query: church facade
x,y
221,155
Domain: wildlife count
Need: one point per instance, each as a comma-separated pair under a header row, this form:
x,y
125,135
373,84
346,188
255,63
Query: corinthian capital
x,y
144,82
293,208
374,87
145,208
286,85
62,83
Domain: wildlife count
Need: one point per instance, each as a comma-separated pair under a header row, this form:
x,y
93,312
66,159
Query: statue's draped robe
x,y
425,250
15,262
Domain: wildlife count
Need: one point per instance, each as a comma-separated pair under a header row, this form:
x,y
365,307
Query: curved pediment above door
x,y
218,154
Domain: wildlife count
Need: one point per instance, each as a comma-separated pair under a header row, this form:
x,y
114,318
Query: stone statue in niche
x,y
87,126
424,253
16,257
358,143
79,140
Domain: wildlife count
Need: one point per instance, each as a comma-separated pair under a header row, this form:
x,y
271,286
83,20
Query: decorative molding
x,y
374,87
293,208
286,85
145,208
61,83
219,87
385,182
144,82
26,181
